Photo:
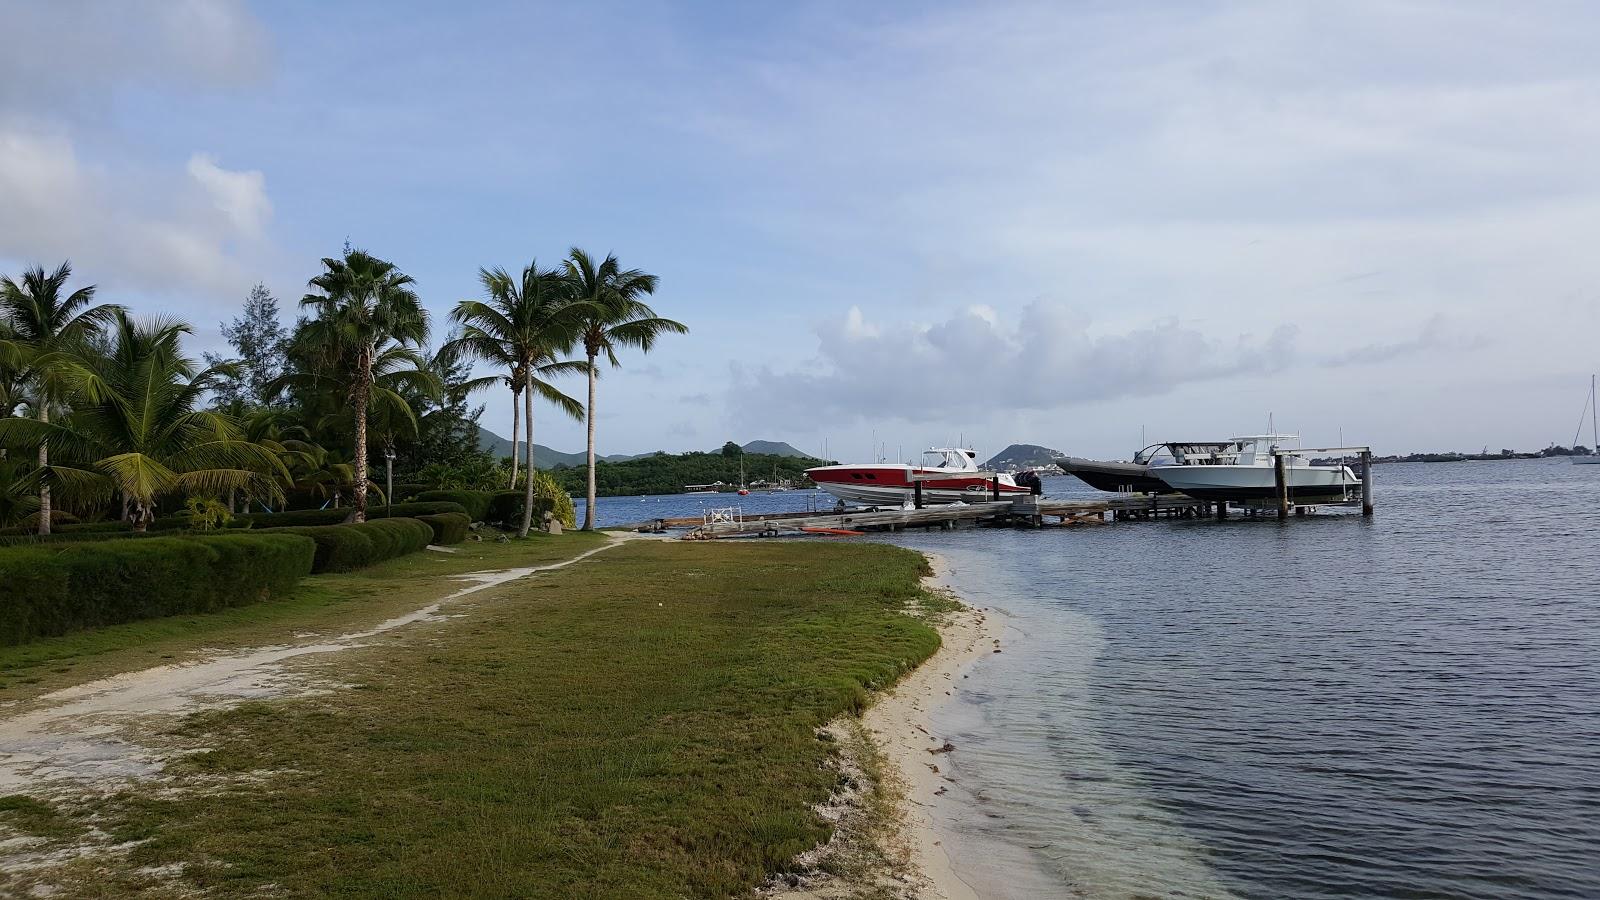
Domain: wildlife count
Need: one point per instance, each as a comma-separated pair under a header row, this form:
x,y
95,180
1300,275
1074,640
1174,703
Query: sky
x,y
893,225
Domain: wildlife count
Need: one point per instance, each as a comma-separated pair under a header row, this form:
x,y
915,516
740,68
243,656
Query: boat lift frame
x,y
1281,481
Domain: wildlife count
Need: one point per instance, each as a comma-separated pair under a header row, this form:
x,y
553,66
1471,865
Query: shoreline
x,y
899,727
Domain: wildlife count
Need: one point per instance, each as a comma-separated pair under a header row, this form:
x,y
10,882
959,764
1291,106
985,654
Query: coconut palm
x,y
137,428
613,316
45,326
365,305
524,328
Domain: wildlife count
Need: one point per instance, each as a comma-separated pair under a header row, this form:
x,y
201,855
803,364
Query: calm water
x,y
1407,707
1401,707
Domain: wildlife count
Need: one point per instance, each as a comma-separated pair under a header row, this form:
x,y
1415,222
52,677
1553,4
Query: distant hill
x,y
774,448
543,457
1022,456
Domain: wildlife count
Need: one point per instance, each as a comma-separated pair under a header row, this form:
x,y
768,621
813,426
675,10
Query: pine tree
x,y
260,340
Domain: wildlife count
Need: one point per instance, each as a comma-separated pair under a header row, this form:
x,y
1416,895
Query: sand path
x,y
81,737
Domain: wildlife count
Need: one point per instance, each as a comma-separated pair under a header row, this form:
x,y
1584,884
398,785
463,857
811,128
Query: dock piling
x,y
1281,482
1366,483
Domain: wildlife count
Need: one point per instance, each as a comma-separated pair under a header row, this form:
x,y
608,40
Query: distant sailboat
x,y
1594,432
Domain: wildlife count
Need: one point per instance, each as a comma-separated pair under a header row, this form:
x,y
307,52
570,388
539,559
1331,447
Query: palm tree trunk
x,y
515,411
44,463
588,501
362,391
527,494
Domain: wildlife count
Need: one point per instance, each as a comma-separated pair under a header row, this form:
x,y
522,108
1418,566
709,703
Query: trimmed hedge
x,y
50,590
337,516
448,528
476,503
505,509
343,548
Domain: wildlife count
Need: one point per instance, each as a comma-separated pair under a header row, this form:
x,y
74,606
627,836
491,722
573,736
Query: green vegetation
x,y
474,503
448,528
524,328
642,728
614,315
668,473
342,548
53,589
326,603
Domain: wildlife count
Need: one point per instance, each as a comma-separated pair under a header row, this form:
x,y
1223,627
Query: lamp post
x,y
388,496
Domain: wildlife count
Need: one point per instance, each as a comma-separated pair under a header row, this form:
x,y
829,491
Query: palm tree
x,y
45,326
613,316
402,382
365,304
524,328
138,428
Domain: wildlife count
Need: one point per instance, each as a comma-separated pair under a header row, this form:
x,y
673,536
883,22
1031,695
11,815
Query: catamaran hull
x,y
1115,477
1258,482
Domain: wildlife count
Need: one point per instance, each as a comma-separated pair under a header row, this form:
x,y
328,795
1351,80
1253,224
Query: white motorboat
x,y
947,475
1244,469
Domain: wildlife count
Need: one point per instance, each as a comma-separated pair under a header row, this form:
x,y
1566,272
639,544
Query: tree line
x,y
101,412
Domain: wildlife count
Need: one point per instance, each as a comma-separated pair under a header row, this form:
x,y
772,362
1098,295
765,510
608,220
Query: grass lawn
x,y
643,724
322,603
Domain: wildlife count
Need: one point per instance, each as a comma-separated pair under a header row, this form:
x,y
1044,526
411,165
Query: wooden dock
x,y
1025,512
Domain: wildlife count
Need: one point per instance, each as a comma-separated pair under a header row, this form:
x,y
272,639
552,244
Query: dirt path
x,y
80,738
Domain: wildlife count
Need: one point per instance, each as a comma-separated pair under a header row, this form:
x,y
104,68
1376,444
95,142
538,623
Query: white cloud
x,y
64,55
161,231
241,196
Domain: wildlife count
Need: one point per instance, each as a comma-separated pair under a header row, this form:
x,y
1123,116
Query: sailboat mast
x,y
1594,420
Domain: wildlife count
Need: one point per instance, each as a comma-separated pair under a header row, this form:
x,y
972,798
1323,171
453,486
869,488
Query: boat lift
x,y
1281,480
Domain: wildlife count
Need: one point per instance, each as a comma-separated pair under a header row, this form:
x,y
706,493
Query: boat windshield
x,y
948,458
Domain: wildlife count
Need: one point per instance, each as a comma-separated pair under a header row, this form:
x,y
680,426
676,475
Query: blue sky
x,y
1054,223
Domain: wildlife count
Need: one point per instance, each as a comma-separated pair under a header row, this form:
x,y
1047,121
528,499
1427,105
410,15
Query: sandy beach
x,y
900,726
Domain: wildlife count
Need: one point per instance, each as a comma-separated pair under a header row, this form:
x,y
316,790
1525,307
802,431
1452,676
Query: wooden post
x,y
1281,481
996,488
1222,510
1366,482
916,491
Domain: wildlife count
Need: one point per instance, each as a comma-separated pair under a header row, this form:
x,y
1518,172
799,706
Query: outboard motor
x,y
1030,480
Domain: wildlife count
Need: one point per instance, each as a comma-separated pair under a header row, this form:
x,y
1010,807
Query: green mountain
x,y
774,448
1022,456
543,457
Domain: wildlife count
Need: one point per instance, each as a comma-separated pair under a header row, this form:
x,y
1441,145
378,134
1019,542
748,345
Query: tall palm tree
x,y
524,328
138,428
365,304
45,327
613,316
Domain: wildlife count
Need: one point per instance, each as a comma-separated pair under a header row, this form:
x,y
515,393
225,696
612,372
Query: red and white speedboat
x,y
948,475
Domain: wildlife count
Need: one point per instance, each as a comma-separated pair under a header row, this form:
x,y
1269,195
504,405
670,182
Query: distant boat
x,y
1594,432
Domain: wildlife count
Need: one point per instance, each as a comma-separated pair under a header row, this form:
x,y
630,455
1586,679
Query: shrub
x,y
505,508
343,548
337,516
206,514
51,590
476,503
448,528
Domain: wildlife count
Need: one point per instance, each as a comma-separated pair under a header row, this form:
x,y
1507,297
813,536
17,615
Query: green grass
x,y
640,726
321,603
31,817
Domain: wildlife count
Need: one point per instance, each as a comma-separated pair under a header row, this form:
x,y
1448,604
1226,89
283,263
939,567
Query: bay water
x,y
1402,706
